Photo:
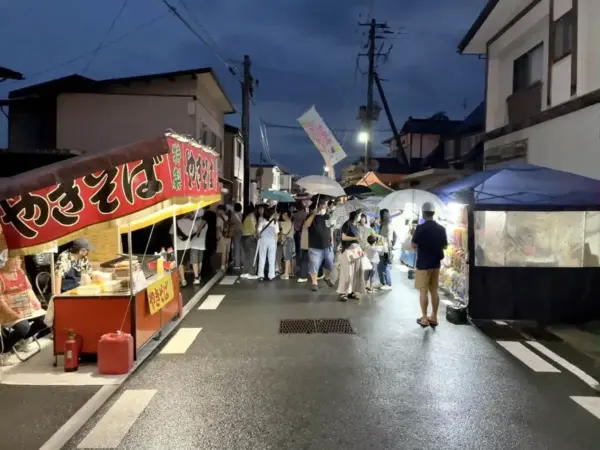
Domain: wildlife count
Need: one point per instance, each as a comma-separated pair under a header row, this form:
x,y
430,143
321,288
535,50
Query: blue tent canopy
x,y
524,185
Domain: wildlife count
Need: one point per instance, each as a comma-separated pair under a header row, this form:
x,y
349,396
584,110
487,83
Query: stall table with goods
x,y
454,273
127,189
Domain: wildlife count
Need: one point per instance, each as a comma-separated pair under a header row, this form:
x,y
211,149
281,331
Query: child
x,y
373,249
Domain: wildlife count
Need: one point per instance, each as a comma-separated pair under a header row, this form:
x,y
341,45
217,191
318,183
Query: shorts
x,y
191,255
370,274
318,256
427,280
224,245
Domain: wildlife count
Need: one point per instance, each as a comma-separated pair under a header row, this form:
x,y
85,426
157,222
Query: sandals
x,y
433,323
353,296
343,298
424,324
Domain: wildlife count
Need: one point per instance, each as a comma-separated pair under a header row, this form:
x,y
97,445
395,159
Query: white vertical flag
x,y
322,137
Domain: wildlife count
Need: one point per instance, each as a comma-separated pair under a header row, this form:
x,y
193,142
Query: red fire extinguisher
x,y
71,352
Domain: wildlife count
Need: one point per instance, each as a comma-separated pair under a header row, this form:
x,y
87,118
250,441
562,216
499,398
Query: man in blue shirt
x,y
430,240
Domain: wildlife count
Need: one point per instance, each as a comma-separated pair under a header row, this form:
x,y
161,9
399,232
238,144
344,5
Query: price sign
x,y
160,293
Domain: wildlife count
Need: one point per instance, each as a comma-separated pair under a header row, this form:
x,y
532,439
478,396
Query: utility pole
x,y
369,118
371,112
247,92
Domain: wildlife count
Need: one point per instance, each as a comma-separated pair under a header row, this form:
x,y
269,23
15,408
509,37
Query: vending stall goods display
x,y
454,271
532,247
135,294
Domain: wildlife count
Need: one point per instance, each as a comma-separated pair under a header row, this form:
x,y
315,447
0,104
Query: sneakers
x,y
22,346
285,277
385,287
302,280
321,277
196,281
244,275
328,282
252,277
314,288
183,283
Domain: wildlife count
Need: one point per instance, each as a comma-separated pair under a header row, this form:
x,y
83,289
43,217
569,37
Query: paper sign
x,y
160,293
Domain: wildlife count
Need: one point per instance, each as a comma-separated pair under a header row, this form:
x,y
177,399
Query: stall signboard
x,y
160,293
48,214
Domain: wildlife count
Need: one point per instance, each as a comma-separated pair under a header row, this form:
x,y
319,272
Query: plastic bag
x,y
407,244
335,272
366,264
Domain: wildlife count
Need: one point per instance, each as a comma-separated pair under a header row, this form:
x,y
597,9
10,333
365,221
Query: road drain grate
x,y
318,326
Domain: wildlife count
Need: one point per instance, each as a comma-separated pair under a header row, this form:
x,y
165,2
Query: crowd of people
x,y
301,241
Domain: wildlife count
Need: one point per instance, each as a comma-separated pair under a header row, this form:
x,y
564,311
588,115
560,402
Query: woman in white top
x,y
267,243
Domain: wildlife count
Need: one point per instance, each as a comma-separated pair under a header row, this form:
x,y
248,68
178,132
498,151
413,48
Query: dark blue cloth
x,y
523,184
431,240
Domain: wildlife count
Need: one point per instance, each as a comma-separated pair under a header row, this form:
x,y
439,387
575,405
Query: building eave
x,y
476,26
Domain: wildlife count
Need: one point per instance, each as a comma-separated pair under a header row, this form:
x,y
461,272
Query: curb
x,y
66,432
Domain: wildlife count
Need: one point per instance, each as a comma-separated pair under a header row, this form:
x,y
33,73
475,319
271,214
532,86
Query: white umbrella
x,y
414,199
316,184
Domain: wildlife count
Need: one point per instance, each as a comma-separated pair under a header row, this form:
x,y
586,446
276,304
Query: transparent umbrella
x,y
317,184
412,200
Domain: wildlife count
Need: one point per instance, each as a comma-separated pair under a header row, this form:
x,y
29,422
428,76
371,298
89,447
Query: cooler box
x,y
115,354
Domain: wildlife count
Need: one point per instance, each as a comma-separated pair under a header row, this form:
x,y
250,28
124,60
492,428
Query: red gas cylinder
x,y
71,352
115,354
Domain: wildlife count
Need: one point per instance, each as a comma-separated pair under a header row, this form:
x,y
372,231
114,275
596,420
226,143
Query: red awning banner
x,y
185,172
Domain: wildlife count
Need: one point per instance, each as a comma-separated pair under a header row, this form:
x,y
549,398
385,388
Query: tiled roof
x,y
78,83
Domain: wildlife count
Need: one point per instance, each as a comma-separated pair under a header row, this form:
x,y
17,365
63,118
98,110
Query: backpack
x,y
227,229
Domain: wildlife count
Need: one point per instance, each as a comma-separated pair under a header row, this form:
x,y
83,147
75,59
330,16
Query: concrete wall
x,y
126,114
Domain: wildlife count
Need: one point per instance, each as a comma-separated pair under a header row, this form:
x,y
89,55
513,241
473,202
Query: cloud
x,y
303,53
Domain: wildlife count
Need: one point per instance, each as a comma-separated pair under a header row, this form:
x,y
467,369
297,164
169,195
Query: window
x,y
238,148
528,68
563,33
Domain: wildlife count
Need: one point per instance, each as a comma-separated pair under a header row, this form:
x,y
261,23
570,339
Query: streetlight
x,y
326,169
363,137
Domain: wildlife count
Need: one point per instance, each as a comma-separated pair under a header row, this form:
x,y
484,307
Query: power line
x,y
108,44
110,28
230,67
214,47
337,130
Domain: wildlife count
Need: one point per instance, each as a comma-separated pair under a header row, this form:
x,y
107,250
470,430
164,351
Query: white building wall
x,y
570,143
528,32
561,81
588,60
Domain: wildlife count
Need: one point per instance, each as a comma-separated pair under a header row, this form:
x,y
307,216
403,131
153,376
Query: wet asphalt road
x,y
392,385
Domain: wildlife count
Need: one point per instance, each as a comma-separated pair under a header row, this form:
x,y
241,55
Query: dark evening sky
x,y
303,53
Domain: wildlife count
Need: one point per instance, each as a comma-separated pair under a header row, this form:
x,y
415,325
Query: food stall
x,y
100,197
533,243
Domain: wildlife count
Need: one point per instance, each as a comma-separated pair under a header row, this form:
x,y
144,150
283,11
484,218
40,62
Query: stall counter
x,y
92,316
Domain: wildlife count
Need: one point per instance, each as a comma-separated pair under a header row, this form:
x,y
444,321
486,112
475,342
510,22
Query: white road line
x,y
591,404
211,302
83,414
527,357
181,341
229,280
500,322
566,364
114,425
